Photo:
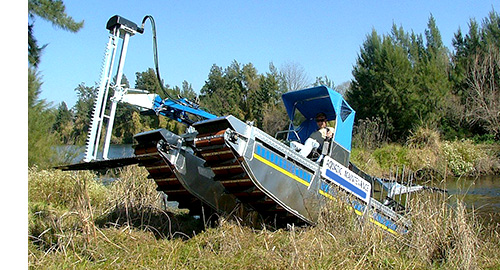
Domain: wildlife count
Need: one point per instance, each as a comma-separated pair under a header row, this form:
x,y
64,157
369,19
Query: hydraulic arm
x,y
181,110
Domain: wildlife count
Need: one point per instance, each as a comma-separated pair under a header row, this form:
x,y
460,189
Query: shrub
x,y
369,133
364,160
462,156
424,137
391,155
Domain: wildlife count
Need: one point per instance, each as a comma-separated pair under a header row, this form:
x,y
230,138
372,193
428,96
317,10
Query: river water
x,y
481,194
74,154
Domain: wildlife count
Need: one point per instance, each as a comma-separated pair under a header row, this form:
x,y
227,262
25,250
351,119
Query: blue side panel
x,y
343,131
283,163
344,120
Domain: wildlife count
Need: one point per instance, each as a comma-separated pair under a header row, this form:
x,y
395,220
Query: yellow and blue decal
x,y
359,208
300,175
282,165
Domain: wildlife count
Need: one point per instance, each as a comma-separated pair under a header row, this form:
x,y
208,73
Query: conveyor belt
x,y
149,157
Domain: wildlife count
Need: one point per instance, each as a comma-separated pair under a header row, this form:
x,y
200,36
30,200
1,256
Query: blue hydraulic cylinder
x,y
179,110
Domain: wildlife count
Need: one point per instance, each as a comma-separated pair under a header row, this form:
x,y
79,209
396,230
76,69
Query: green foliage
x,y
222,92
187,91
41,138
400,80
240,91
390,156
462,156
475,74
148,81
485,138
52,11
83,111
63,125
40,120
425,152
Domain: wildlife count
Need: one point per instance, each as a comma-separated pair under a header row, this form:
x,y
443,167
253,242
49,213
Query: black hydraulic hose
x,y
155,51
157,67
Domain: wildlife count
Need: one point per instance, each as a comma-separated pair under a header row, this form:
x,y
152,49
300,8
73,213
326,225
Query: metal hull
x,y
237,169
286,180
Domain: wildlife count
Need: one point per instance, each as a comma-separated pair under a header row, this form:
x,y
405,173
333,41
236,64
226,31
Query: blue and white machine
x,y
225,165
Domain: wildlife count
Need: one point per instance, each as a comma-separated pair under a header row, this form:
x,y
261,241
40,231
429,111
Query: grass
x,y
426,153
75,221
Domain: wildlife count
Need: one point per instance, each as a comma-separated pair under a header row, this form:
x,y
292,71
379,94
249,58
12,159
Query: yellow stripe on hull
x,y
359,213
281,170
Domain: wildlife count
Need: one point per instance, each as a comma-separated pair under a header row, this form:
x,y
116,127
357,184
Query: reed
x,y
442,234
75,221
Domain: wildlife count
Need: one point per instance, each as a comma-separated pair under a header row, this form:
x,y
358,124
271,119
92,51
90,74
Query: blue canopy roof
x,y
309,102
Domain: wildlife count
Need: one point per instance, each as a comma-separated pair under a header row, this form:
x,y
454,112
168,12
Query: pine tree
x,y
401,80
40,120
52,11
41,140
63,124
83,112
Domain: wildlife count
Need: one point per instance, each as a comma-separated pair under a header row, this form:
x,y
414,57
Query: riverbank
x,y
428,156
77,222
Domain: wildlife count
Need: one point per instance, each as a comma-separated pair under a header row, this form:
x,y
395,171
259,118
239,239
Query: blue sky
x,y
324,37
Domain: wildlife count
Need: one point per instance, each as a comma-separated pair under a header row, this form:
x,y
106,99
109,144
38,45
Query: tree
x,y
241,91
324,81
268,103
401,80
382,85
122,131
63,125
187,91
294,76
343,87
52,11
483,103
40,121
475,74
83,109
221,93
41,140
432,77
147,80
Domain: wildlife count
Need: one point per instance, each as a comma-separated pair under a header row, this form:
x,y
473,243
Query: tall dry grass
x,y
443,234
68,211
77,222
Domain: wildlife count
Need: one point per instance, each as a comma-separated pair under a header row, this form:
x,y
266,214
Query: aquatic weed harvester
x,y
225,165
